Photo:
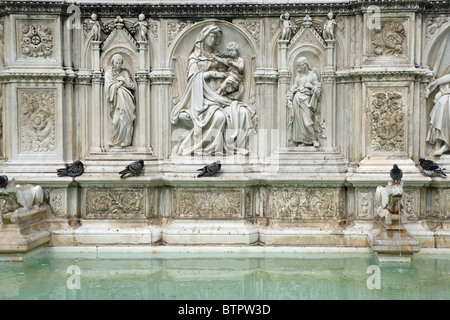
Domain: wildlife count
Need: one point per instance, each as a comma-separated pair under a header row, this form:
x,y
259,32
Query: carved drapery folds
x,y
210,118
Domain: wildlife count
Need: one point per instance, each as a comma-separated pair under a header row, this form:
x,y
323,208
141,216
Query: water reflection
x,y
225,276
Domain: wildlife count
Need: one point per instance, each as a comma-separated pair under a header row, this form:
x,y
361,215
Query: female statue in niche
x,y
215,122
439,129
302,101
119,88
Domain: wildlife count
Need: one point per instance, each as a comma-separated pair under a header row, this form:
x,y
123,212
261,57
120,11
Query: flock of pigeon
x,y
76,169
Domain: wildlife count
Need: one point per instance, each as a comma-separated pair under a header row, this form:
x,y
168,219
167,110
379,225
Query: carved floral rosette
x,y
37,41
389,40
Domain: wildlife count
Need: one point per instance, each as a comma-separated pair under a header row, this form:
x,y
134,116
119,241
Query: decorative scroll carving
x,y
411,205
253,28
386,117
174,28
37,120
365,204
434,24
115,204
210,204
54,198
305,203
388,41
37,41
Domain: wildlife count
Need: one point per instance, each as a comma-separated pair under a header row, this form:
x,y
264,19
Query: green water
x,y
226,276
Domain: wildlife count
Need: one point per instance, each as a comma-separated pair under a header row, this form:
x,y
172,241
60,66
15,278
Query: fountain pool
x,y
223,275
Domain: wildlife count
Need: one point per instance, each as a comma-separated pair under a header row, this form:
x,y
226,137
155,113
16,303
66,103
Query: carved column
x,y
96,121
161,81
143,100
329,89
284,79
268,128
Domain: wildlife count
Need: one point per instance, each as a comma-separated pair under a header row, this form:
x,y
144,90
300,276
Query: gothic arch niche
x,y
179,52
309,44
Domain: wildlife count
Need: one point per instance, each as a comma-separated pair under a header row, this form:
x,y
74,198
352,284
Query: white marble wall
x,y
373,112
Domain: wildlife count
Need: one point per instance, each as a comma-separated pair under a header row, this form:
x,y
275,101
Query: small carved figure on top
x,y
95,27
287,26
328,28
235,64
141,28
439,129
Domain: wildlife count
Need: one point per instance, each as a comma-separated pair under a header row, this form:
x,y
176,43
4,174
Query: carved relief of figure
x,y
287,26
95,27
439,129
142,28
235,64
214,123
302,101
328,28
119,87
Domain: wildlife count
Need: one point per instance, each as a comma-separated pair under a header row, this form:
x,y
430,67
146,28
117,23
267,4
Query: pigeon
x,y
396,174
210,169
133,168
3,181
431,168
74,169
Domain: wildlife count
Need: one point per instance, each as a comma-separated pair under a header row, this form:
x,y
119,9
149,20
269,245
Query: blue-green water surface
x,y
224,276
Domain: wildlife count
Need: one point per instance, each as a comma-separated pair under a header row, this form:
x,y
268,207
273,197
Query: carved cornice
x,y
218,9
388,75
6,77
164,77
265,77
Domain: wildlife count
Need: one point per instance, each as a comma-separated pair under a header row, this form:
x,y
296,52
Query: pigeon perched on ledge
x,y
396,174
431,168
74,169
210,169
133,168
3,181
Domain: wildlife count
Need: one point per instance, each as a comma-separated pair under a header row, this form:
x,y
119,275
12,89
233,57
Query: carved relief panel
x,y
35,129
386,121
389,40
364,198
35,38
115,203
211,203
37,121
305,203
223,55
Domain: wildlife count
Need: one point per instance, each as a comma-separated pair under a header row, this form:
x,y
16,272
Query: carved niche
x,y
37,110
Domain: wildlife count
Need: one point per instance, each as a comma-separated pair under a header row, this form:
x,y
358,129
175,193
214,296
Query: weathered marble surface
x,y
377,65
